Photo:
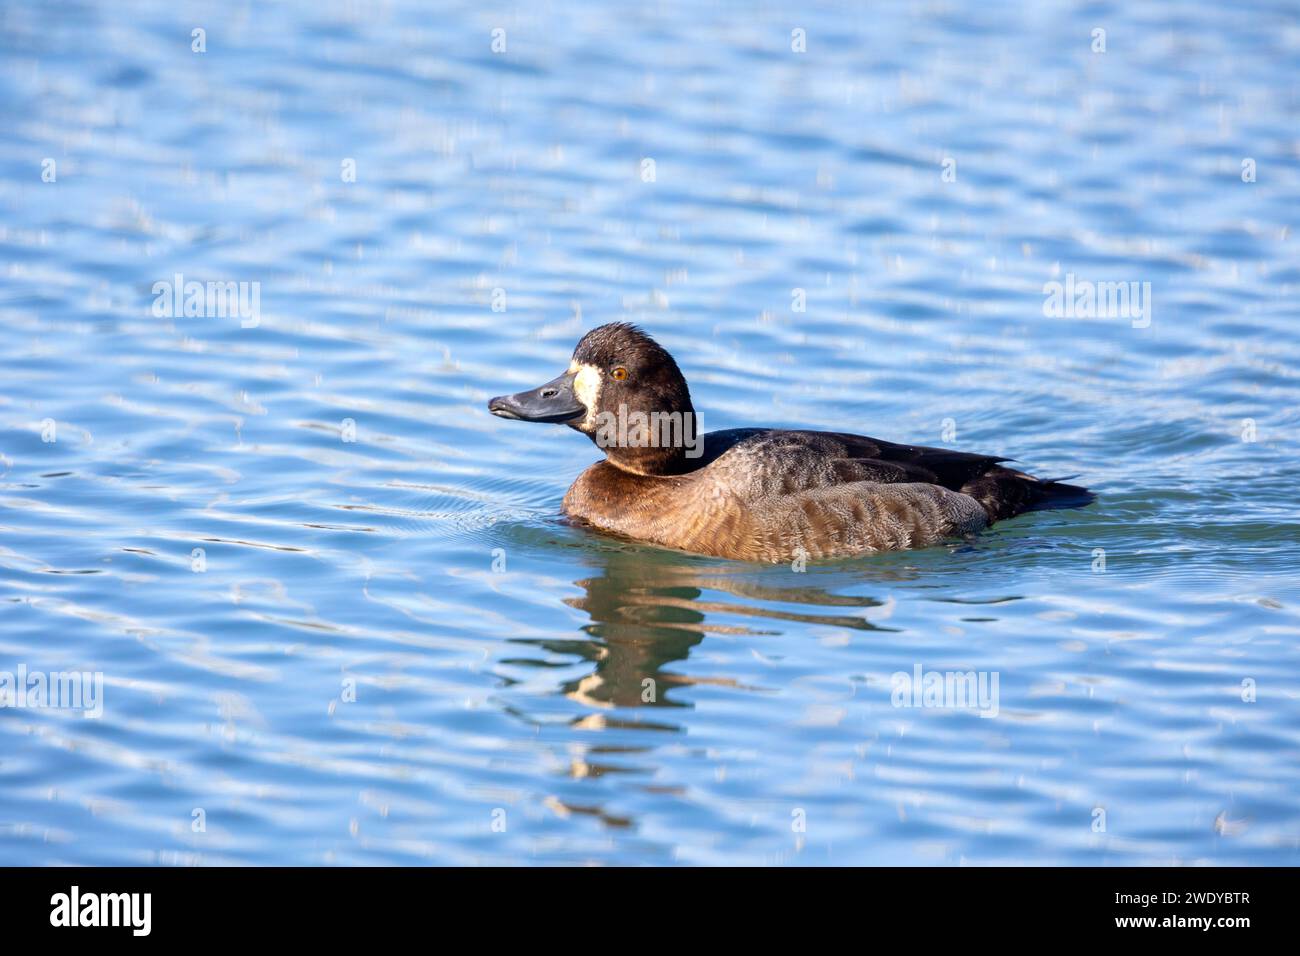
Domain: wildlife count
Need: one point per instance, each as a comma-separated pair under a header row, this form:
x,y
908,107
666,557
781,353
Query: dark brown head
x,y
625,392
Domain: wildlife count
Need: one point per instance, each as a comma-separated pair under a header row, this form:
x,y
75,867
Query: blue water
x,y
392,650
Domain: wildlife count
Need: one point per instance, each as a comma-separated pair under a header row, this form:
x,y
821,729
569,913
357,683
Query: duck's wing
x,y
801,462
893,462
776,495
1003,492
808,459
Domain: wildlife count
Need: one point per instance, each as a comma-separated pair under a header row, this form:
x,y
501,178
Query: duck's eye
x,y
619,373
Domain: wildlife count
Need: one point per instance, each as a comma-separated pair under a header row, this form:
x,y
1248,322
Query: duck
x,y
769,495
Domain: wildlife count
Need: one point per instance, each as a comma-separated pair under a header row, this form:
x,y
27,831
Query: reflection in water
x,y
648,609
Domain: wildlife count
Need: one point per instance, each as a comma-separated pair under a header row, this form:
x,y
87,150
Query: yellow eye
x,y
619,373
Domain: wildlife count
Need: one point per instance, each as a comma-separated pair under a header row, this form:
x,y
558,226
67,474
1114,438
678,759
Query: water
x,y
499,659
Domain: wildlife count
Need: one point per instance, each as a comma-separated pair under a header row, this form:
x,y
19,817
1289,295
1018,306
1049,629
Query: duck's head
x,y
624,391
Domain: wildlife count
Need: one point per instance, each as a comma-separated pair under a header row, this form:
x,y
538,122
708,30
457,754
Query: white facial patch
x,y
586,386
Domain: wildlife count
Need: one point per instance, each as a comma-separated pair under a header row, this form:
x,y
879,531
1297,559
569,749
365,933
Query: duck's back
x,y
775,495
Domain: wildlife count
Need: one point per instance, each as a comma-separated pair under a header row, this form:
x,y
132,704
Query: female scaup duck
x,y
756,494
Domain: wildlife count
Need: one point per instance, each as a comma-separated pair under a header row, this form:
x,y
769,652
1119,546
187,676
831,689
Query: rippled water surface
x,y
392,650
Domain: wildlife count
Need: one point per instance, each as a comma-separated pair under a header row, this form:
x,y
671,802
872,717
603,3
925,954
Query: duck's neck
x,y
651,462
652,443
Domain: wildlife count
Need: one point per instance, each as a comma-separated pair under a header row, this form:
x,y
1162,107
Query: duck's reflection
x,y
649,608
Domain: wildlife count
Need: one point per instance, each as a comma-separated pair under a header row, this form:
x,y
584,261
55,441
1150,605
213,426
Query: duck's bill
x,y
552,402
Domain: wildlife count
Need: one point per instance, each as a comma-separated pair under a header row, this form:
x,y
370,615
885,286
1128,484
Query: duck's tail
x,y
1005,493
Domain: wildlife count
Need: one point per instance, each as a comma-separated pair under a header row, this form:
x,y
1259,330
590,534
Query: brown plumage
x,y
756,494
